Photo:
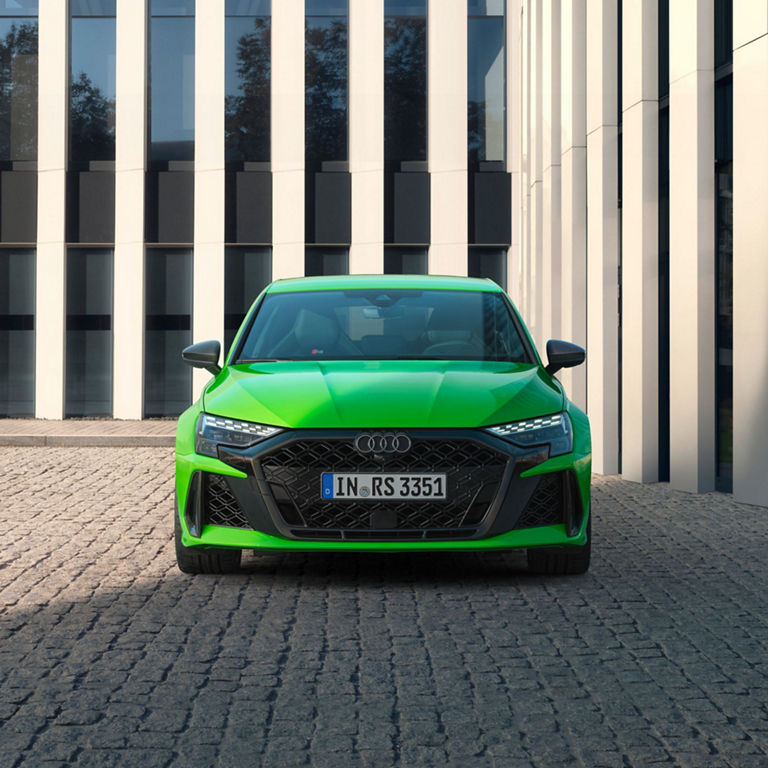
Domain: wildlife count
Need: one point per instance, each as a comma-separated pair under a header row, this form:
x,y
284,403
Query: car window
x,y
384,325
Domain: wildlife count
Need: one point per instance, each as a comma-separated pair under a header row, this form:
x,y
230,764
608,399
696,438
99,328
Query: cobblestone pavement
x,y
111,657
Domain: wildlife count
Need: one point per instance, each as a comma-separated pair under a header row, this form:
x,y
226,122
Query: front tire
x,y
562,561
195,560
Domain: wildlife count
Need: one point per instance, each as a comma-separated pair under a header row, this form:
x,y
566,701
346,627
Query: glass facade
x,y
724,241
168,329
663,27
402,260
247,80
172,80
92,80
488,262
247,271
326,82
18,81
17,332
88,382
405,82
319,260
486,81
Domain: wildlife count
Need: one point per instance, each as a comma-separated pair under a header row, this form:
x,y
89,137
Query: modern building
x,y
162,160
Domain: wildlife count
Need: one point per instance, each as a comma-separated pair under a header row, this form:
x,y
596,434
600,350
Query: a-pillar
x,y
603,235
640,242
750,266
692,245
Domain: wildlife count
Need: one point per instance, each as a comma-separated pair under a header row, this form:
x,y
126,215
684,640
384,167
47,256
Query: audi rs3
x,y
383,413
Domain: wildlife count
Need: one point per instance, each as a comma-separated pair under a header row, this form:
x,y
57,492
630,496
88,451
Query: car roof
x,y
383,282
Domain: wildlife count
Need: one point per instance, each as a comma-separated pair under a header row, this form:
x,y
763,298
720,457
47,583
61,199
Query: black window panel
x,y
170,207
18,86
486,84
490,208
18,206
723,32
663,10
326,83
410,208
664,294
326,261
405,261
88,382
247,271
17,332
249,207
248,72
90,206
488,262
333,208
168,329
172,81
92,81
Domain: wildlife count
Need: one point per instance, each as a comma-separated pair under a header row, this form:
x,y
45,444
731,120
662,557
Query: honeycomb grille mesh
x,y
473,472
546,504
221,507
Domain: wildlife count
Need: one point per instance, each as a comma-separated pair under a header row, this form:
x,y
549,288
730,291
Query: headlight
x,y
555,430
212,431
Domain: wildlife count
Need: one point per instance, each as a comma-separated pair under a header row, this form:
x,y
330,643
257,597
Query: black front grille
x,y
473,472
221,507
546,504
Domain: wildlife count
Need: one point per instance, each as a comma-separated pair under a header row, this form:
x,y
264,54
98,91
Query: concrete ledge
x,y
96,433
93,441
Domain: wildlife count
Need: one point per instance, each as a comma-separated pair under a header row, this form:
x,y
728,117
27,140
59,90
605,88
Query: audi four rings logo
x,y
383,442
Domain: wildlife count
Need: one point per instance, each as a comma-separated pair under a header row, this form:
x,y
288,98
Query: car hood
x,y
360,394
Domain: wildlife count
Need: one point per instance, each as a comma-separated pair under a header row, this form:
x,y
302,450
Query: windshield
x,y
383,325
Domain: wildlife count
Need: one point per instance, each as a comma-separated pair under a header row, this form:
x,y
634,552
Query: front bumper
x,y
509,498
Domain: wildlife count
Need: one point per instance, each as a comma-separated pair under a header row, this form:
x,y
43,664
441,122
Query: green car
x,y
383,413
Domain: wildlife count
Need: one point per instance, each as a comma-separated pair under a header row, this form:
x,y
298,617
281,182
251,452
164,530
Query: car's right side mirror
x,y
563,354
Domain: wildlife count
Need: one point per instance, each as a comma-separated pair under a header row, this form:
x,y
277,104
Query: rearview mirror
x,y
563,354
204,354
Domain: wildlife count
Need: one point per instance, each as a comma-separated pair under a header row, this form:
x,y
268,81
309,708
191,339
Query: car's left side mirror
x,y
204,354
563,354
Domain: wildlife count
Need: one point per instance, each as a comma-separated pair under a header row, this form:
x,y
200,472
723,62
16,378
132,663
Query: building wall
x,y
565,149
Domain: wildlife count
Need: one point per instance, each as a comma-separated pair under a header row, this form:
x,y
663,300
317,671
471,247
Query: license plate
x,y
336,485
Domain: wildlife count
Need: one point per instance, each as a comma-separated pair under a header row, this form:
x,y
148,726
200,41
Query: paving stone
x,y
109,656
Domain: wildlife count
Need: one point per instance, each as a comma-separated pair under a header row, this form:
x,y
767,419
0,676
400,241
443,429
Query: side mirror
x,y
563,354
204,354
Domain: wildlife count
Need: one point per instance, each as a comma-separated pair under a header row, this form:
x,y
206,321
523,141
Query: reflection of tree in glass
x,y
18,93
326,90
247,114
405,78
476,132
92,121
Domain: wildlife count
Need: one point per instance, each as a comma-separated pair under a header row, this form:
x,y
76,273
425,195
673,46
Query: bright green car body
x,y
386,394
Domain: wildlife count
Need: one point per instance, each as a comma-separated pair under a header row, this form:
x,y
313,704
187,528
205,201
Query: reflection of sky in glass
x,y
93,52
405,7
173,84
326,7
485,7
485,85
18,7
248,7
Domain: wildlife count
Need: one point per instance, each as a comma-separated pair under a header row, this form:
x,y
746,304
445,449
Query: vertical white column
x,y
514,148
208,271
287,138
692,245
535,317
551,174
366,135
130,153
51,207
750,266
574,190
603,235
525,161
447,135
640,243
